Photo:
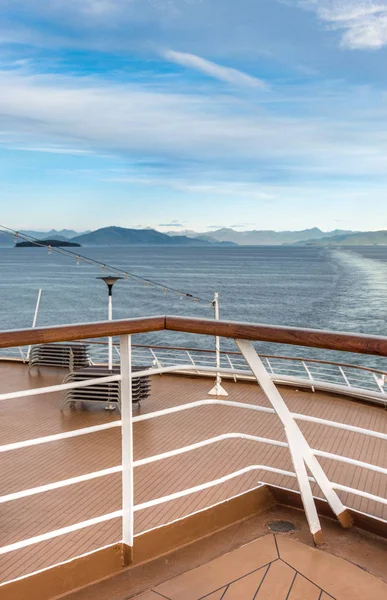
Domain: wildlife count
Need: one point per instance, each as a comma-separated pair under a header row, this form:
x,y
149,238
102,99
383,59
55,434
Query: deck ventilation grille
x,y
282,526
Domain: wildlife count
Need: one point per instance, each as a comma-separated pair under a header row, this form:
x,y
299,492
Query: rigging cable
x,y
91,261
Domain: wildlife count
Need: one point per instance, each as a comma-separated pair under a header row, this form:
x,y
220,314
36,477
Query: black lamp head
x,y
110,280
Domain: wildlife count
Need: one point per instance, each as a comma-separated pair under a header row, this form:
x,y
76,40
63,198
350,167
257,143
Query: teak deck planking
x,y
27,418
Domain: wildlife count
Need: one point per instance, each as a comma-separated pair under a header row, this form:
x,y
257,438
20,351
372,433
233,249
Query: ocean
x,y
341,289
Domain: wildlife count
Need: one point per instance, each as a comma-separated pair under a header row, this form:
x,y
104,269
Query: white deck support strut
x,y
218,389
127,448
293,433
305,489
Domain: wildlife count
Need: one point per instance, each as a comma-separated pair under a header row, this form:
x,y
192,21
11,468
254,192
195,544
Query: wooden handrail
x,y
314,338
70,333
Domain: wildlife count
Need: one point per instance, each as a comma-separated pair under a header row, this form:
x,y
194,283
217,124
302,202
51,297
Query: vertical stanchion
x,y
217,390
110,318
35,319
127,448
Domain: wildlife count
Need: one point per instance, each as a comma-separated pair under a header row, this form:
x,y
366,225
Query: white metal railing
x,y
178,451
347,379
344,378
245,364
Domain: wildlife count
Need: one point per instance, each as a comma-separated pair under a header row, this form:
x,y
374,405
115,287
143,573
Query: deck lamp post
x,y
110,280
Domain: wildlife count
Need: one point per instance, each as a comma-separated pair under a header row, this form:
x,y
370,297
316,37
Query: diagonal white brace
x,y
305,489
292,429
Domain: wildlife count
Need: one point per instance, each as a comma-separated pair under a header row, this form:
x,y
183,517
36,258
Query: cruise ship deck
x,y
33,417
36,466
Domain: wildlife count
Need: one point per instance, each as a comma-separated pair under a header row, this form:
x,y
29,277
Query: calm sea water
x,y
339,289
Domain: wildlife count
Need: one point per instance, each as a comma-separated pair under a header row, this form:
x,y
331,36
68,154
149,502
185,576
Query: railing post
x,y
309,374
127,449
232,366
156,360
344,376
380,386
218,389
34,321
192,361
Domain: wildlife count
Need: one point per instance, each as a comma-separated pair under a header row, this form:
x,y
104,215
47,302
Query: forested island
x,y
52,243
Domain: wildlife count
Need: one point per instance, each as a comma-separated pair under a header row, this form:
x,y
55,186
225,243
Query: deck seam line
x,y
307,578
263,579
276,545
238,578
291,585
158,593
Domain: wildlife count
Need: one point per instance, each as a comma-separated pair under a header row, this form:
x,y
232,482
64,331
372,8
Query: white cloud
x,y
212,69
51,113
235,189
54,150
363,22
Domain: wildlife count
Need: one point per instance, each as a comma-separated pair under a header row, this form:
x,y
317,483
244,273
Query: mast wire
x,y
97,263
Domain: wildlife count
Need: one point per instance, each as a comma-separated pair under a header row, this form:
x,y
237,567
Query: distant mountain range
x,y
263,237
118,236
64,234
54,233
361,238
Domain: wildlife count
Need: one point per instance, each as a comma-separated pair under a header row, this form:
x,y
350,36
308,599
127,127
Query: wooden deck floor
x,y
271,567
26,418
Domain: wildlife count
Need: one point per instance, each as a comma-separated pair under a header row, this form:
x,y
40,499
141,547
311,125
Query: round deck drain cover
x,y
282,526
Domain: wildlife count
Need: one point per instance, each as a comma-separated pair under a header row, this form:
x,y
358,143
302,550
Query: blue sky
x,y
256,114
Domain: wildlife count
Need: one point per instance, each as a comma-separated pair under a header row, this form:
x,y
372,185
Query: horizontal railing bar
x,y
188,406
44,537
327,385
59,388
209,484
350,461
177,451
207,442
329,340
187,367
59,484
59,436
349,490
244,436
214,482
69,333
276,378
297,416
353,428
239,354
59,564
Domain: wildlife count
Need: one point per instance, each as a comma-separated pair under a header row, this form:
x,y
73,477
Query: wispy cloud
x,y
227,74
363,22
78,115
53,150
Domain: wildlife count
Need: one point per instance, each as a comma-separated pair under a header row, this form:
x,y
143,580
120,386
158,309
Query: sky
x,y
193,114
